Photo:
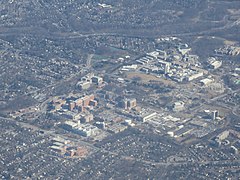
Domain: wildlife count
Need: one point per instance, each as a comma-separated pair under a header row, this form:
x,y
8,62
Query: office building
x,y
131,103
97,80
123,104
214,114
86,118
178,106
93,103
71,106
128,103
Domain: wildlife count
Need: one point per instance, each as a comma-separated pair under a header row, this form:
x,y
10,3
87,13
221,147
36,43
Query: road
x,y
236,111
54,134
89,60
214,99
6,31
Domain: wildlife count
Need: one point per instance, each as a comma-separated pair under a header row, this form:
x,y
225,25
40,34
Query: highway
x,y
6,31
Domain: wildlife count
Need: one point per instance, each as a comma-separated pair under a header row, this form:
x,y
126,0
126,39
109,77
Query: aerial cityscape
x,y
128,89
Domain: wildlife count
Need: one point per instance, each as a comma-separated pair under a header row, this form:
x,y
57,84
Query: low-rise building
x,y
178,106
182,132
223,135
194,76
101,125
83,85
116,128
147,116
85,130
206,81
214,63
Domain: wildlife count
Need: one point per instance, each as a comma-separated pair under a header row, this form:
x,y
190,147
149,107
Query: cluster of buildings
x,y
234,77
228,138
85,130
113,121
73,103
212,114
180,74
67,149
198,126
76,110
128,103
174,63
229,50
88,80
79,116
